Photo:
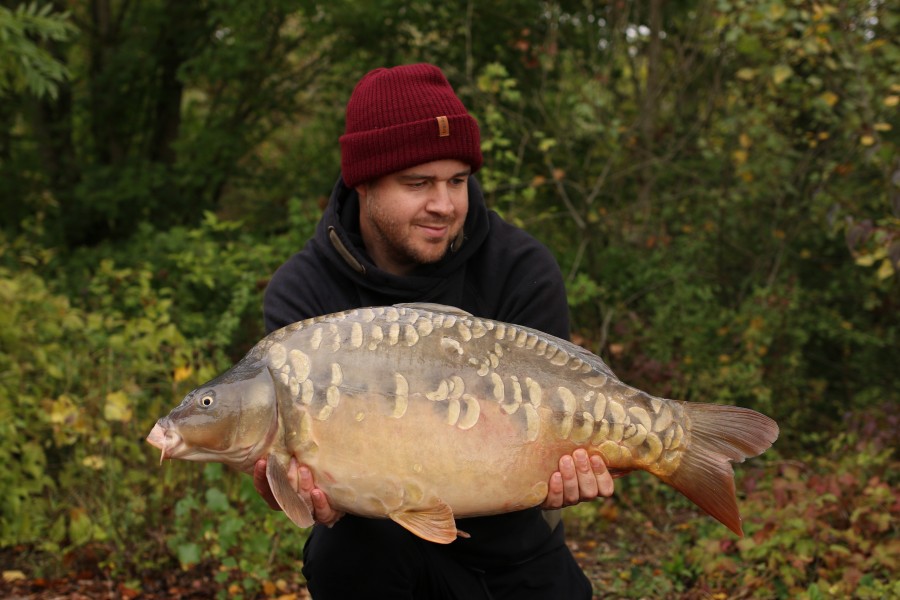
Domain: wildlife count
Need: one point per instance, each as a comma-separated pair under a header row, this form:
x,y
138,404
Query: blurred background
x,y
719,182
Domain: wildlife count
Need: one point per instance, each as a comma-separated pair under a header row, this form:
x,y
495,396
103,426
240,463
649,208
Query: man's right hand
x,y
301,480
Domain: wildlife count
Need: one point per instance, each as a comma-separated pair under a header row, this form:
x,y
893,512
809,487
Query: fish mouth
x,y
168,441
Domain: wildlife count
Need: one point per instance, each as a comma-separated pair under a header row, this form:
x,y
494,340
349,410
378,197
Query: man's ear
x,y
363,191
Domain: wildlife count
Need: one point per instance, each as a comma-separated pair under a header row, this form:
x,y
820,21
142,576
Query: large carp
x,y
422,413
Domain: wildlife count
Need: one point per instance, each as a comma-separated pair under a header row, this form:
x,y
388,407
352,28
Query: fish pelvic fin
x,y
434,523
720,435
293,505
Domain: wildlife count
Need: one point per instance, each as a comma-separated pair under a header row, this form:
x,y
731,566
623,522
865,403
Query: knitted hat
x,y
402,117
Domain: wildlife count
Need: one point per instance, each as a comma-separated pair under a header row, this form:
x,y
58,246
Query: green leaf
x,y
188,554
781,73
216,500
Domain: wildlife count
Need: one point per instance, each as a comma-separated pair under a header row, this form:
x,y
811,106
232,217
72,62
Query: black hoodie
x,y
498,272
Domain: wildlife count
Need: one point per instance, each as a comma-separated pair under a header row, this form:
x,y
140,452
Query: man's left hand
x,y
580,477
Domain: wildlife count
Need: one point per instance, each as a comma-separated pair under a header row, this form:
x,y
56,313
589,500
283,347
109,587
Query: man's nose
x,y
440,201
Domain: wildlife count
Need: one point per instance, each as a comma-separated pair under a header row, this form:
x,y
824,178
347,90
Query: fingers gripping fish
x,y
423,413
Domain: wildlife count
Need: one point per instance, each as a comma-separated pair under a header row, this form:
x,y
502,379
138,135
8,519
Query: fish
x,y
423,413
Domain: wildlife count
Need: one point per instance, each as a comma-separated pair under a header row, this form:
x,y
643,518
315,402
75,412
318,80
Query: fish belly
x,y
373,464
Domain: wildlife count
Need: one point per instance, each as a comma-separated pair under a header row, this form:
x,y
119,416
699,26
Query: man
x,y
407,222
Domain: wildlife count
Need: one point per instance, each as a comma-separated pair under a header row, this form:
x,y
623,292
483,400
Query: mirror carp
x,y
422,413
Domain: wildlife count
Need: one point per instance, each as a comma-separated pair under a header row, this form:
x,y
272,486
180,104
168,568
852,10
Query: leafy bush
x,y
86,375
77,397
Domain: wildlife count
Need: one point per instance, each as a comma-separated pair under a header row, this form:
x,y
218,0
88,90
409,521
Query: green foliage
x,y
702,226
26,65
172,104
84,381
229,524
77,395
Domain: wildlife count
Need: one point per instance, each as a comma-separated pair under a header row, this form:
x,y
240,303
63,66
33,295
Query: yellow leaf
x,y
117,407
559,174
182,373
739,157
892,101
93,462
882,126
746,74
63,410
776,11
865,260
829,98
885,269
867,140
10,576
745,140
780,73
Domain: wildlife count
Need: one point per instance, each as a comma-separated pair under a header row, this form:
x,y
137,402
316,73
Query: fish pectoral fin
x,y
435,523
293,505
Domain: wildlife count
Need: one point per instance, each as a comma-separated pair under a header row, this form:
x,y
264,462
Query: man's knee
x,y
357,555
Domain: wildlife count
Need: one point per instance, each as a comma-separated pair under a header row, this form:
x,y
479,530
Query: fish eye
x,y
206,400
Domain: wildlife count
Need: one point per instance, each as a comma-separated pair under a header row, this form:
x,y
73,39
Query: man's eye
x,y
417,185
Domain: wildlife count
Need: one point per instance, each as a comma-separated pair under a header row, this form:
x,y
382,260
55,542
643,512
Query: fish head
x,y
231,419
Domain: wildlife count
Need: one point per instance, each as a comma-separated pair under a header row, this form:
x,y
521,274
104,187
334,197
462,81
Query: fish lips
x,y
167,440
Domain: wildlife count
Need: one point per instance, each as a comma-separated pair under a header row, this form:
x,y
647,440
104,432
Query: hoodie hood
x,y
338,238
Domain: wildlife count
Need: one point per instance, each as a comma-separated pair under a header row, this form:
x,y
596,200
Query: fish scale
x,y
423,413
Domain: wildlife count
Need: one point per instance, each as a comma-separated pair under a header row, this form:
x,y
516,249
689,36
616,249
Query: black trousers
x,y
375,558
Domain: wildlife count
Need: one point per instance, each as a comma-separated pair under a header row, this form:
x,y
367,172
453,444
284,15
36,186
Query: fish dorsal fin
x,y
290,502
434,523
434,307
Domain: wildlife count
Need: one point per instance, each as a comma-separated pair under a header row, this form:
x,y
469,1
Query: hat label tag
x,y
443,126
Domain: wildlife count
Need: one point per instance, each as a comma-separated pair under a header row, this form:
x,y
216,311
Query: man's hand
x,y
579,478
301,480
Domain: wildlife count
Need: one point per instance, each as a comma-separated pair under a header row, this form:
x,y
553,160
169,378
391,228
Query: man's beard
x,y
398,245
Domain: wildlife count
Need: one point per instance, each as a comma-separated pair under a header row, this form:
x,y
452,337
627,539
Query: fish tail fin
x,y
720,435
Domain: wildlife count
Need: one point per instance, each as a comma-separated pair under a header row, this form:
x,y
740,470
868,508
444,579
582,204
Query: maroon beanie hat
x,y
402,117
